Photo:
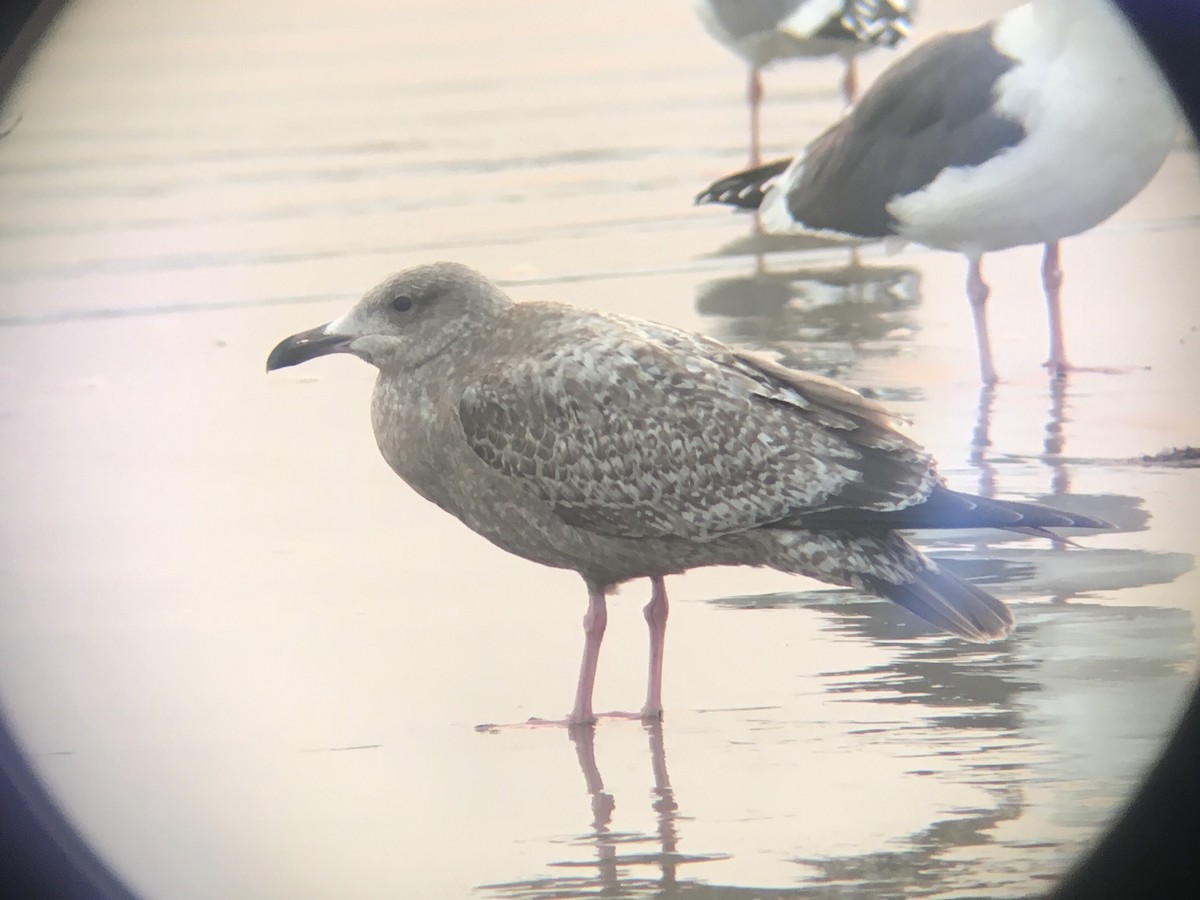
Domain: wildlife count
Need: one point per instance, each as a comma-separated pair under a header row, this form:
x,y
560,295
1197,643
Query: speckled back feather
x,y
640,430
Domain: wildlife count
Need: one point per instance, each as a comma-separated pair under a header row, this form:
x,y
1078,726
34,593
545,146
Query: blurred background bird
x,y
762,32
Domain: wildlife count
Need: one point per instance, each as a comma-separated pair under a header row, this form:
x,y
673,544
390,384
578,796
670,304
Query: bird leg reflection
x,y
977,293
665,808
603,803
656,617
981,441
1054,443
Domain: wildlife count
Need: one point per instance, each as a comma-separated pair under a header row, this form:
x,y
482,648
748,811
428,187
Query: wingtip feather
x,y
954,605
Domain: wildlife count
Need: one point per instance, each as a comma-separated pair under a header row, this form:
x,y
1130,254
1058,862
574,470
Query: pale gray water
x,y
249,662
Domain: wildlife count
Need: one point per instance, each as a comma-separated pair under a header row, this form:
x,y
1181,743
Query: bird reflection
x,y
821,319
1010,709
1063,571
1055,440
981,441
922,864
603,804
617,870
663,802
1052,446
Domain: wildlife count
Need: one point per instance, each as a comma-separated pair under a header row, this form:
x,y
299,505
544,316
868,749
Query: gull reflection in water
x,y
619,863
1053,567
1054,440
1055,725
820,318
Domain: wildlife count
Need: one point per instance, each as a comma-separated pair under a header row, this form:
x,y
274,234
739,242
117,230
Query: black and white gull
x,y
622,449
762,32
1026,130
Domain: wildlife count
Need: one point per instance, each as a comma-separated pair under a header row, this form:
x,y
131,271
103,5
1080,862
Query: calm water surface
x,y
249,662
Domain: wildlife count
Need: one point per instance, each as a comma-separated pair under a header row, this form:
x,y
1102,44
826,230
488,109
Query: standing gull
x,y
762,32
1026,130
624,449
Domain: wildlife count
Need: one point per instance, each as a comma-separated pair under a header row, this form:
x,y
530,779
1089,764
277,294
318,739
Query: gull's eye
x,y
402,304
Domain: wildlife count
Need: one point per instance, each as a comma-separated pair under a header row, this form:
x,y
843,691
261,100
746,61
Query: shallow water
x,y
249,662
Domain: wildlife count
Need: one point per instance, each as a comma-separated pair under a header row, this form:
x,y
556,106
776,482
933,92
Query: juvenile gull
x,y
624,449
1026,130
762,32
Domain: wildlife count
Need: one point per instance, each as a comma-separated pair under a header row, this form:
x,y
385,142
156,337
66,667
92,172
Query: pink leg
x,y
1052,283
656,617
754,93
594,623
850,82
977,293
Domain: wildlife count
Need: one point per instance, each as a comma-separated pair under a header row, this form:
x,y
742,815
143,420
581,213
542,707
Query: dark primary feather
x,y
944,508
744,190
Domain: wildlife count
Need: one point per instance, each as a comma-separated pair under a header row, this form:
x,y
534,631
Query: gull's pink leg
x,y
754,93
850,82
1052,283
656,617
977,293
594,623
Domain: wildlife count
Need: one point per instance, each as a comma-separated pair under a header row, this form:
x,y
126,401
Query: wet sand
x,y
248,661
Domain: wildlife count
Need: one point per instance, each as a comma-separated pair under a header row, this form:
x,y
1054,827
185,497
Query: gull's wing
x,y
932,110
638,430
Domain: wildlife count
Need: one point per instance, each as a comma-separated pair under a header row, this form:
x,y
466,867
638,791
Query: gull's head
x,y
406,320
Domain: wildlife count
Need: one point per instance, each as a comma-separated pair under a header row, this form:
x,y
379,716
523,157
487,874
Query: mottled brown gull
x,y
624,449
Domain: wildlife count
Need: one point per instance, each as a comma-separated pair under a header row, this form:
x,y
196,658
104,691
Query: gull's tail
x,y
945,600
885,564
